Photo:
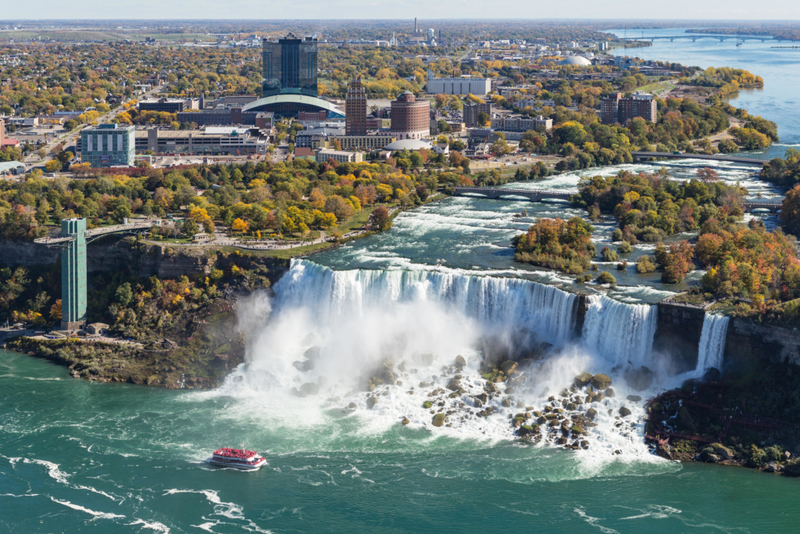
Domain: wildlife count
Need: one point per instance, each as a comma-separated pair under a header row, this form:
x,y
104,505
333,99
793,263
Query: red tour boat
x,y
237,458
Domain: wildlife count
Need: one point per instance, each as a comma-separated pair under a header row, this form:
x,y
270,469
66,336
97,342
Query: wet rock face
x,y
438,419
583,379
600,381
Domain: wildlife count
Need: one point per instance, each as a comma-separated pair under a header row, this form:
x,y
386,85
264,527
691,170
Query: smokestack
x,y
415,24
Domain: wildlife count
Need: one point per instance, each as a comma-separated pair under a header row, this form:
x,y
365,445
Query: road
x,y
70,137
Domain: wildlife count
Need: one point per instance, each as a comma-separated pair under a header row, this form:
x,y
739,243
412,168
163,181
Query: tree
x,y
790,211
500,147
55,311
53,165
381,219
189,228
124,294
707,175
484,119
240,225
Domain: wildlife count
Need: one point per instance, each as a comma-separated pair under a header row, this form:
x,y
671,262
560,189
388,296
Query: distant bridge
x,y
534,195
97,233
763,205
696,36
672,155
537,195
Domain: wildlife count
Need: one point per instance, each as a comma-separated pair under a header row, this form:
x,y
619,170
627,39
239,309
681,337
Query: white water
x,y
712,343
497,303
331,330
620,333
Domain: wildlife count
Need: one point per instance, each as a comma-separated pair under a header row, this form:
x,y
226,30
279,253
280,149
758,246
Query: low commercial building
x,y
170,105
233,116
519,123
341,156
464,85
208,141
108,145
364,142
311,138
13,168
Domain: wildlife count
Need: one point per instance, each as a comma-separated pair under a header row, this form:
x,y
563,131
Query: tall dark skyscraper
x,y
290,66
356,109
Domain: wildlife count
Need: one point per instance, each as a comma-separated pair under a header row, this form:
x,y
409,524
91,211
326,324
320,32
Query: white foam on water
x,y
98,515
53,469
594,521
151,525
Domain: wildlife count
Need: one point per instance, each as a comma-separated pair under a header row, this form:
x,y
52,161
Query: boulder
x,y
640,379
490,387
610,393
460,361
508,367
723,451
371,401
506,403
634,398
591,413
582,379
708,455
454,384
406,421
624,412
524,430
600,381
438,419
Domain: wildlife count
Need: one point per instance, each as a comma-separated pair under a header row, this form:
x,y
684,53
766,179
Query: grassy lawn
x,y
657,87
357,221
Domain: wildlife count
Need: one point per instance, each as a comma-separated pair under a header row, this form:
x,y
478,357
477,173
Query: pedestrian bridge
x,y
672,155
96,233
533,195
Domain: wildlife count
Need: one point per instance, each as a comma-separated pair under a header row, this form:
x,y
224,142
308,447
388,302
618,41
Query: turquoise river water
x,y
78,456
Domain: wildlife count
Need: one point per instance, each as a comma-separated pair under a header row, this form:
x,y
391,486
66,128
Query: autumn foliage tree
x,y
557,244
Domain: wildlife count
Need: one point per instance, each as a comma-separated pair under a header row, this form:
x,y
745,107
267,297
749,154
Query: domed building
x,y
407,144
575,61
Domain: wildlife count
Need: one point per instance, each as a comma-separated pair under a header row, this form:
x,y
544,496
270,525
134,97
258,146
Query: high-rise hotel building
x,y
290,66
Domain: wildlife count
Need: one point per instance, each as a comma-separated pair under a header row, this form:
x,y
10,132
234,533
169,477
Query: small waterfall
x,y
712,343
492,301
621,333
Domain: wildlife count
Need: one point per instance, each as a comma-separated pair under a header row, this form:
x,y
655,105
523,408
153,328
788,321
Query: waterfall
x,y
712,343
491,301
620,333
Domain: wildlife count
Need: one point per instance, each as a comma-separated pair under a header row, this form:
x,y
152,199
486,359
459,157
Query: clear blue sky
x,y
400,9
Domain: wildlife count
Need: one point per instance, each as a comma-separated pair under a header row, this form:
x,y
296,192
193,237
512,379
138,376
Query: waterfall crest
x,y
712,343
491,301
620,333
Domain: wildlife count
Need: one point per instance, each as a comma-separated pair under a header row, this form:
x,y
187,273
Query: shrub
x,y
606,278
645,265
624,248
609,254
